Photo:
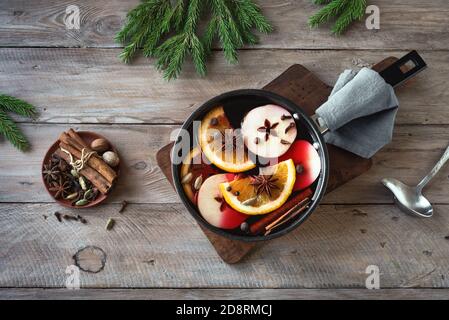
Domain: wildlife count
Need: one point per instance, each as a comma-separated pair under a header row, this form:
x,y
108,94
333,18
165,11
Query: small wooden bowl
x,y
88,137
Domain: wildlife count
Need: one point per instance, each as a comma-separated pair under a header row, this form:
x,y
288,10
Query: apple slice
x,y
269,131
214,208
194,166
307,163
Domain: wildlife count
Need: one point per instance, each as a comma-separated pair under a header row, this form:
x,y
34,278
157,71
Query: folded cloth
x,y
360,112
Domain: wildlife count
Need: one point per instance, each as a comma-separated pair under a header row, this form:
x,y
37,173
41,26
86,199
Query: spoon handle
x,y
434,171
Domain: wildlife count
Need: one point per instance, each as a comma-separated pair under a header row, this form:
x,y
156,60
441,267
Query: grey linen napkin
x,y
360,112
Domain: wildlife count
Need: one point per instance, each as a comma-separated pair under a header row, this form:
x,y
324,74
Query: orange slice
x,y
255,195
223,145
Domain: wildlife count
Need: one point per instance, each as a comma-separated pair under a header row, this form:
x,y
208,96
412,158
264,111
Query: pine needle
x,y
12,133
11,104
344,11
167,30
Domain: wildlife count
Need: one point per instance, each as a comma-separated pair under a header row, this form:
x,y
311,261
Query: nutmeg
x,y
111,158
99,145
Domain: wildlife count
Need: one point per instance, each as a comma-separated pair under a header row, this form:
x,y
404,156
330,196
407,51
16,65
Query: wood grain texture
x,y
41,23
224,294
414,150
93,86
160,246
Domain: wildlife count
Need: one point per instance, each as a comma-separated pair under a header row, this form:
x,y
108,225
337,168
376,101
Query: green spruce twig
x,y
343,11
7,126
11,132
11,104
168,31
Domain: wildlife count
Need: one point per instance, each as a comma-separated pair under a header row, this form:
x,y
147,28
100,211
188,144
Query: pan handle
x,y
398,72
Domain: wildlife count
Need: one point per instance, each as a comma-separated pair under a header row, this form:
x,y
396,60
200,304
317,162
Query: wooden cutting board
x,y
305,89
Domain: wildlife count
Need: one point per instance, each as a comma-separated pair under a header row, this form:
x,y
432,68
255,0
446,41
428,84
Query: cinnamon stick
x,y
72,133
290,214
75,147
90,174
260,225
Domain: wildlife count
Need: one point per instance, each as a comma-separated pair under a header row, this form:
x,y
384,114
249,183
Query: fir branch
x,y
167,30
249,13
354,11
12,133
331,10
344,11
8,103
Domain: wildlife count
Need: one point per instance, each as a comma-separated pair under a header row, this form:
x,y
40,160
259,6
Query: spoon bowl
x,y
409,199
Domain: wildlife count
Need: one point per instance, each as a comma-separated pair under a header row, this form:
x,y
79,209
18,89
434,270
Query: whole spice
x,y
82,183
110,224
123,206
111,158
264,183
260,225
74,173
290,126
268,129
72,196
244,226
81,219
58,216
187,178
198,182
50,172
81,202
60,188
70,217
88,194
100,145
222,202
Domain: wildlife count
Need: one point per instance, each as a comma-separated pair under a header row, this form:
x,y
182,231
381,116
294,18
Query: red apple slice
x,y
269,131
307,163
214,208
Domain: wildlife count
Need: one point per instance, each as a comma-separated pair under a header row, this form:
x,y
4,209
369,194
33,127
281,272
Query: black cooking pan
x,y
238,103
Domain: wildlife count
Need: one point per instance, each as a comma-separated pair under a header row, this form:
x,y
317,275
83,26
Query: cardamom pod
x,y
187,178
72,196
198,182
82,183
88,194
110,224
81,202
74,173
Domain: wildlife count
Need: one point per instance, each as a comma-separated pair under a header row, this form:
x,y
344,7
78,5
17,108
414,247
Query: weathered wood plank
x,y
41,23
160,246
414,150
93,86
225,294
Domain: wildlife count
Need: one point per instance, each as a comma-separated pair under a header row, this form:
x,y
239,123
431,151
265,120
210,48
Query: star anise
x,y
264,183
50,172
268,129
60,188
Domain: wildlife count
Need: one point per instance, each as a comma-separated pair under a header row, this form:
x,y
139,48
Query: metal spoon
x,y
410,199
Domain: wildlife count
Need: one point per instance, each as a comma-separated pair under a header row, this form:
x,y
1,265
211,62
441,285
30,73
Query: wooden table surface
x,y
156,250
